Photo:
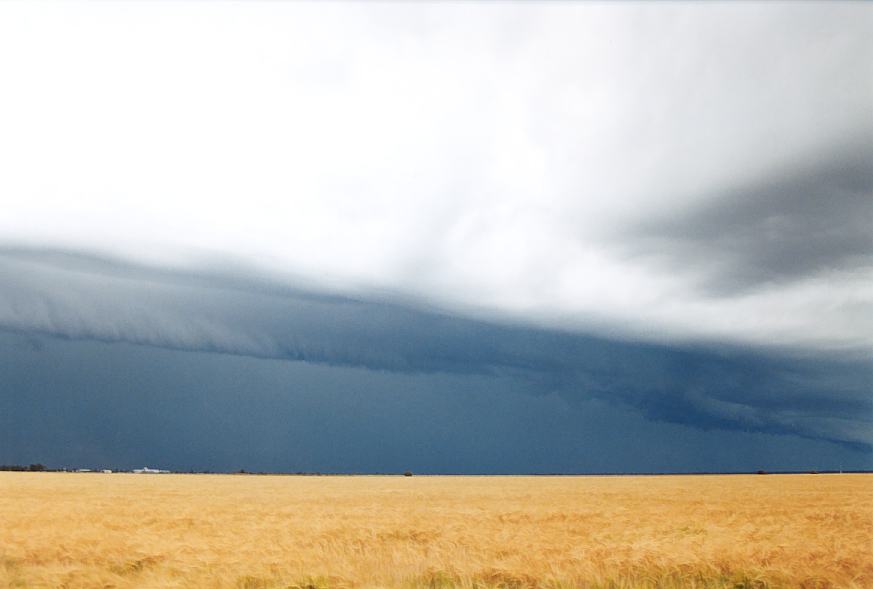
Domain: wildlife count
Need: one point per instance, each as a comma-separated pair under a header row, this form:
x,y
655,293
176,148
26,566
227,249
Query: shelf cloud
x,y
723,387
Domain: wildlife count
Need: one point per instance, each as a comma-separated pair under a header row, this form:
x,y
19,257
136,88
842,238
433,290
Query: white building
x,y
147,470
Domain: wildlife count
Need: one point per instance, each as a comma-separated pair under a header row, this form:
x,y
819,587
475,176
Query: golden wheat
x,y
126,530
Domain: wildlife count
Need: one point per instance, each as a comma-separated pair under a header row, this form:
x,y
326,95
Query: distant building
x,y
147,470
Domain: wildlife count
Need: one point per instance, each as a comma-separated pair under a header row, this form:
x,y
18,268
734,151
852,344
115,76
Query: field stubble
x,y
125,530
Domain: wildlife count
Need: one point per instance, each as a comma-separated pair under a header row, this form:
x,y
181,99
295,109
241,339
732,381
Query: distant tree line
x,y
21,468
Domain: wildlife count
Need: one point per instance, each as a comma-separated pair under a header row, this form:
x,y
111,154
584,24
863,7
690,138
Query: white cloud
x,y
481,156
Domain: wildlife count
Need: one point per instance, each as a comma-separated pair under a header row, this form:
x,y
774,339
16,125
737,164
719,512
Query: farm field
x,y
126,530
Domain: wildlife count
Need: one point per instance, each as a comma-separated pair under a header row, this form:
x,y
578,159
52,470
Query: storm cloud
x,y
80,403
657,213
721,387
671,172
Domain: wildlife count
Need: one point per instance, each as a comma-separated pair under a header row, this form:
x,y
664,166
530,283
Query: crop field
x,y
128,530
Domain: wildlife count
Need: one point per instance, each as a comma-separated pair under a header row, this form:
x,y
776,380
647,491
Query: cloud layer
x,y
669,172
660,214
75,296
89,404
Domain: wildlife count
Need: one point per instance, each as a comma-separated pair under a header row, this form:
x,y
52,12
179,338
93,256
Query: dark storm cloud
x,y
80,403
789,225
83,297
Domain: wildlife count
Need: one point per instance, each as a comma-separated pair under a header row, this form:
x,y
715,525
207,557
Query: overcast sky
x,y
652,215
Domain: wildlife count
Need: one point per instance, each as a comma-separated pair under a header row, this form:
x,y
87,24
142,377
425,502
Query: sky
x,y
471,237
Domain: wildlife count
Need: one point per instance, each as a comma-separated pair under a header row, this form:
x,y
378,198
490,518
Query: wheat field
x,y
127,530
